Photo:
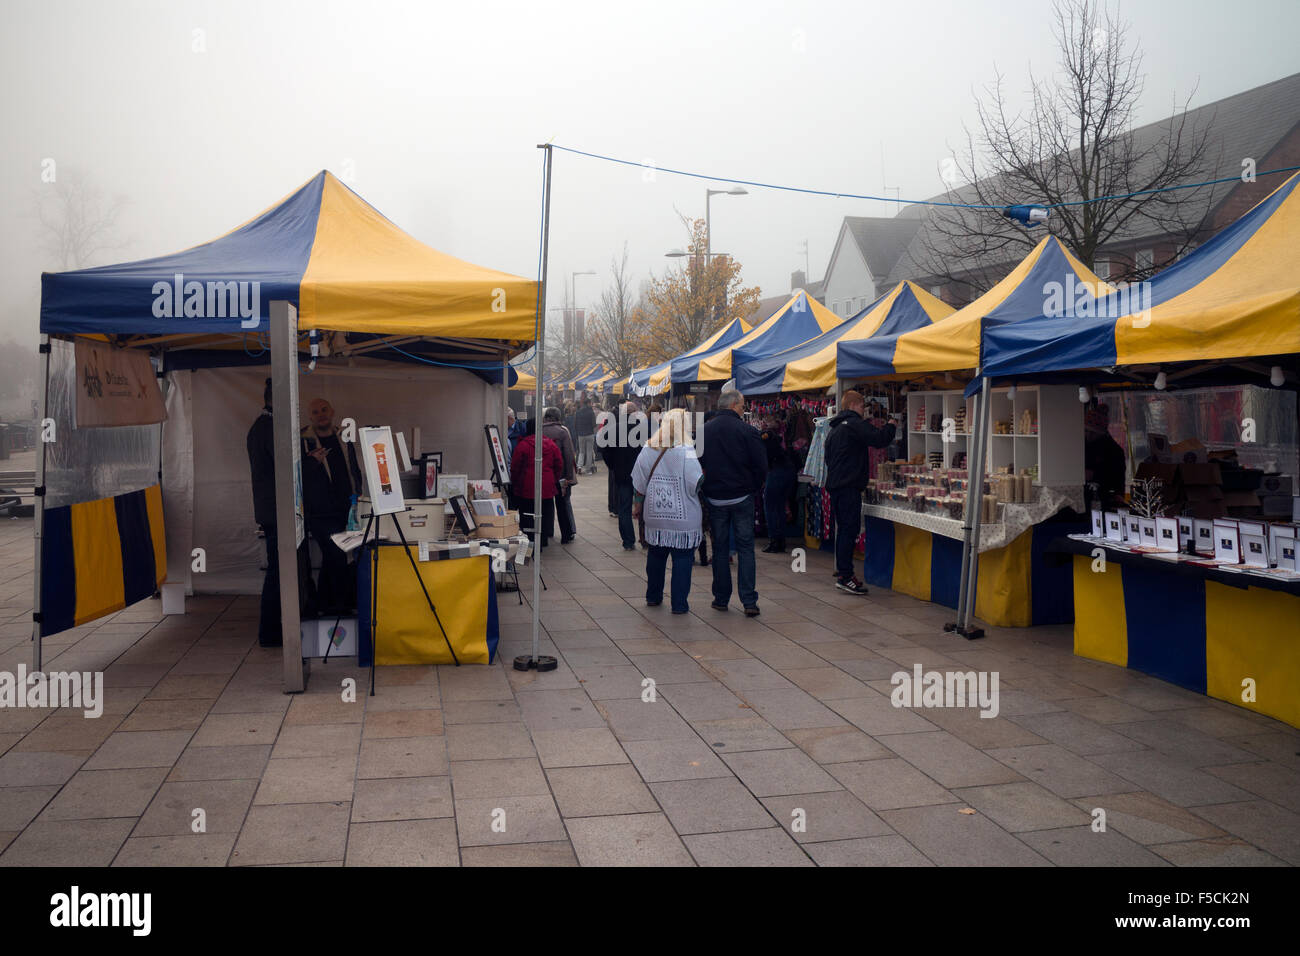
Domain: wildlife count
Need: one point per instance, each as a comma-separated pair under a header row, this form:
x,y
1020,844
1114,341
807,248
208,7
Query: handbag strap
x,y
662,452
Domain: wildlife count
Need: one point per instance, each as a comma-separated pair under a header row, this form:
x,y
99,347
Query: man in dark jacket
x,y
735,467
621,442
847,472
330,477
261,462
584,423
781,477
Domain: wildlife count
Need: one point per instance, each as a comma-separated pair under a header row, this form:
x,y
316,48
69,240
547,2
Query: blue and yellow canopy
x,y
654,378
323,248
954,343
800,319
1236,296
812,364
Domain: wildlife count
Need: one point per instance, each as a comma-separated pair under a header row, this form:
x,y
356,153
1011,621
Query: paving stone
x,y
220,763
790,708
740,734
145,748
748,675
526,819
610,682
709,701
669,668
488,742
982,733
481,712
318,740
769,847
78,843
827,683
1219,719
325,708
710,806
1217,852
520,776
402,757
171,813
600,791
1106,710
1266,825
1167,777
167,715
23,769
608,655
1177,740
889,783
1078,734
1268,780
837,744
402,723
637,720
578,747
826,816
474,683
307,780
404,843
1064,773
641,839
947,760
94,794
686,758
714,651
235,730
1081,846
20,805
1145,818
877,715
951,838
187,686
192,849
1023,806
70,734
402,798
293,833
871,851
770,773
520,854
1282,747
545,710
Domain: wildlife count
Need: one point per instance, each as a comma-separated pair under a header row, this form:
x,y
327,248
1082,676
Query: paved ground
x,y
754,720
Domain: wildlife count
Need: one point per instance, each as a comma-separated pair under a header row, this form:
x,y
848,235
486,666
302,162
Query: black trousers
x,y
564,511
526,511
269,631
336,587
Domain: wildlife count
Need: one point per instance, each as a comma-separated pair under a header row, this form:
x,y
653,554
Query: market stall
x,y
654,379
1193,578
1025,444
346,296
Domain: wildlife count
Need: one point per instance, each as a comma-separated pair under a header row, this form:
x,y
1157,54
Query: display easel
x,y
501,478
371,522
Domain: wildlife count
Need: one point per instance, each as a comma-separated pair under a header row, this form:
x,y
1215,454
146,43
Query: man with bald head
x,y
330,477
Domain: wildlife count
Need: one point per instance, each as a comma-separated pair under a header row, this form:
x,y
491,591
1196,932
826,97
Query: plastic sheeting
x,y
85,464
451,407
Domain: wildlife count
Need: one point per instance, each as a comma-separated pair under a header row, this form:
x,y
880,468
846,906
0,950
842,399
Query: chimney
x,y
798,280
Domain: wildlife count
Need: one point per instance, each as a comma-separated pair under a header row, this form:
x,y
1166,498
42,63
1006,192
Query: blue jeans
x,y
626,526
779,480
734,523
656,563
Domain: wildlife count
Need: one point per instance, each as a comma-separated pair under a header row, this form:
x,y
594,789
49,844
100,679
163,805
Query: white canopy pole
x,y
39,509
284,406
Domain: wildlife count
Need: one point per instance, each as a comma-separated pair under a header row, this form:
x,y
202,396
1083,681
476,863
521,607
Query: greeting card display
x,y
1167,534
1254,550
1114,527
1204,530
1133,529
1147,526
382,483
1286,552
1098,524
1186,533
1227,541
1278,533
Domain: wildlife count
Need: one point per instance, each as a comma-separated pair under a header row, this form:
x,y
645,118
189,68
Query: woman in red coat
x,y
523,484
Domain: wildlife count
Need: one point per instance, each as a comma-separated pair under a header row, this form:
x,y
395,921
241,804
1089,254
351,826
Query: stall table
x,y
1212,631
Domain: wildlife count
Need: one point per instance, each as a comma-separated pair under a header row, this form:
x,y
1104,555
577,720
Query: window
x,y
1103,269
936,291
1145,259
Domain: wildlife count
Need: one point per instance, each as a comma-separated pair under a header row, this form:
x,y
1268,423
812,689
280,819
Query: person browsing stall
x,y
735,467
848,468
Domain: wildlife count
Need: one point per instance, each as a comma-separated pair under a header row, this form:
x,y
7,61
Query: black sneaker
x,y
851,585
751,611
718,607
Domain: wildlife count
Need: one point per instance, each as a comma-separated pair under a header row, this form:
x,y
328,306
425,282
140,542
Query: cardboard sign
x,y
1227,542
1167,534
115,387
1114,527
382,477
1254,550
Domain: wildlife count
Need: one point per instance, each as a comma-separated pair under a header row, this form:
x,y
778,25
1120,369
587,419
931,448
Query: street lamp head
x,y
676,254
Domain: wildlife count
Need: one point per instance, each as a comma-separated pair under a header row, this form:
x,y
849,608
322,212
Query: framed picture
x,y
1167,534
1186,533
1254,550
1286,552
429,476
1227,543
464,514
1098,527
1114,526
449,486
499,457
380,464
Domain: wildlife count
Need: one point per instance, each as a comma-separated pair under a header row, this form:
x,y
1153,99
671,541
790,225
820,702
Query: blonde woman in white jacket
x,y
666,479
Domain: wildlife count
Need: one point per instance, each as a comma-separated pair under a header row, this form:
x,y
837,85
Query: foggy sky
x,y
436,109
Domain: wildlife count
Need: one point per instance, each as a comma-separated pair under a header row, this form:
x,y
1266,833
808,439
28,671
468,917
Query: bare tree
x,y
615,330
1075,146
77,220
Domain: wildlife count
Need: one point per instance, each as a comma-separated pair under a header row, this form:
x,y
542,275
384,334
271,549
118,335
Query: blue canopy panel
x,y
794,324
1031,342
234,278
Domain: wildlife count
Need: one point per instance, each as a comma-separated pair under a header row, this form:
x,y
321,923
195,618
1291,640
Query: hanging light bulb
x,y
1011,393
1161,381
1084,394
1275,377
